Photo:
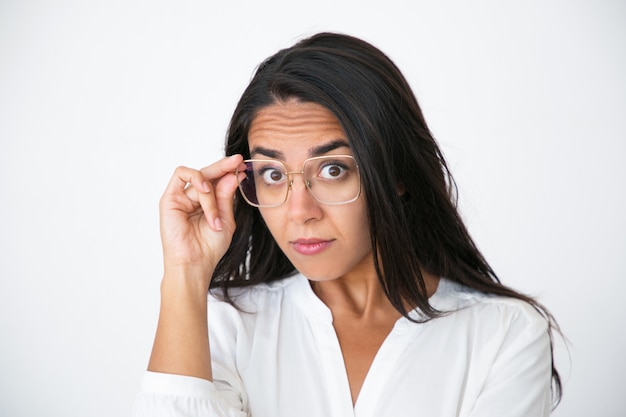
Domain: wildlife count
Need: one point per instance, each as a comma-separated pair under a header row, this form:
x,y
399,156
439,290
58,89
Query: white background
x,y
101,100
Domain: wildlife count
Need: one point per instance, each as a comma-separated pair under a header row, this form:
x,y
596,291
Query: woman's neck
x,y
361,295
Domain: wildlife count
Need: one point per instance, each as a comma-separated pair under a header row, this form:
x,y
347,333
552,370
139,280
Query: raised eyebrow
x,y
316,151
270,153
327,147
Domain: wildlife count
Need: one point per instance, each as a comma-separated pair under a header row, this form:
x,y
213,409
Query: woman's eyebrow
x,y
270,153
316,151
327,147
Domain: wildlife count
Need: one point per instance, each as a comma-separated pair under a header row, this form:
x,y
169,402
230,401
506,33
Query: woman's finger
x,y
222,167
201,179
219,207
224,192
193,188
184,176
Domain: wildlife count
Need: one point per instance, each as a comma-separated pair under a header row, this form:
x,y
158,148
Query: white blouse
x,y
280,357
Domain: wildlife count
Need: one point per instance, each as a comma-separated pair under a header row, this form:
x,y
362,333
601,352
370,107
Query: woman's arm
x,y
197,224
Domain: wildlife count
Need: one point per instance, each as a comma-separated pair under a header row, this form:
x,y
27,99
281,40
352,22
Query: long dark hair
x,y
411,195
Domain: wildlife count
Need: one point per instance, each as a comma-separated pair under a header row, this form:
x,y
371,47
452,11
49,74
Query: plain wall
x,y
101,100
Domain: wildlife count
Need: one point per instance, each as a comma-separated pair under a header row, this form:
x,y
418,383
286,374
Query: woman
x,y
342,279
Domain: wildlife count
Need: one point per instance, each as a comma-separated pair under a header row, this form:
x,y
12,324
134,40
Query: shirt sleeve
x,y
166,395
519,381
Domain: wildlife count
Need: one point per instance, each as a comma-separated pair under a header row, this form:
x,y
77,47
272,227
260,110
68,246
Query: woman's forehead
x,y
293,125
293,118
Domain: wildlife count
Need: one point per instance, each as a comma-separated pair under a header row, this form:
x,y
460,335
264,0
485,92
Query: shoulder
x,y
489,329
254,297
501,345
248,310
497,313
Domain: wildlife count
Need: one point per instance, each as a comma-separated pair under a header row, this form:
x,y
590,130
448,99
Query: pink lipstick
x,y
310,246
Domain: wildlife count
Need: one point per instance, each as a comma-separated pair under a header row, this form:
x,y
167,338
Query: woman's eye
x,y
273,176
332,172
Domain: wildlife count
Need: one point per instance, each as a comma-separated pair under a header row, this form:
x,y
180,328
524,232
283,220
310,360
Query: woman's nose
x,y
301,206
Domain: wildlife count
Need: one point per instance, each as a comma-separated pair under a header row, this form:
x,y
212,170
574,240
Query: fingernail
x,y
218,223
206,187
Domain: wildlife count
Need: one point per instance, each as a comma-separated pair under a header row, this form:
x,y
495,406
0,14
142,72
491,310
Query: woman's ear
x,y
400,189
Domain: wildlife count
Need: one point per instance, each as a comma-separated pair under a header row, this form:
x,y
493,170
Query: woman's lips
x,y
310,246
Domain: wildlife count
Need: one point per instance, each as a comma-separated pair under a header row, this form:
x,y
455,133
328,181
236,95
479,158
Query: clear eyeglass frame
x,y
308,182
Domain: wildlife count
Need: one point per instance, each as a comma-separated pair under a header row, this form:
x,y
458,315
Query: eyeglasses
x,y
331,179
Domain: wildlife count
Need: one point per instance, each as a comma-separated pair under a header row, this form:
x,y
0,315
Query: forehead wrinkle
x,y
302,124
287,117
276,125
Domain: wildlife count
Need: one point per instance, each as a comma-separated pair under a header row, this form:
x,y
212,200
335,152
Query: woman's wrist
x,y
186,280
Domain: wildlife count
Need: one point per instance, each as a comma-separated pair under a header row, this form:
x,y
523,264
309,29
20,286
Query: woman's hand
x,y
196,217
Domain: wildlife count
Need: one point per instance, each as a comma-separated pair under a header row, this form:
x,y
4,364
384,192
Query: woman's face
x,y
323,242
